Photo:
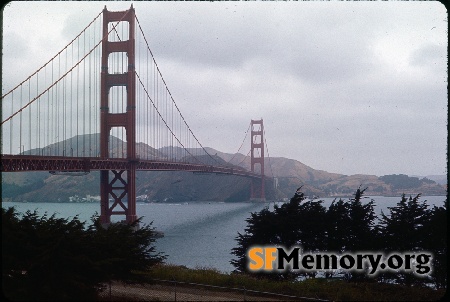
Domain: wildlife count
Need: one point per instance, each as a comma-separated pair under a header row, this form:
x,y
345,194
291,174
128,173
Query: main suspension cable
x,y
268,155
170,94
52,57
164,121
244,158
246,133
63,76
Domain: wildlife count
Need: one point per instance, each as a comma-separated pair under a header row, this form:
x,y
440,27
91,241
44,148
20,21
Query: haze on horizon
x,y
345,87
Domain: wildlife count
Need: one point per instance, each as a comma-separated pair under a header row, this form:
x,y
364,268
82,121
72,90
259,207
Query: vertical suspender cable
x,y
50,124
94,121
20,128
157,107
46,143
57,86
29,118
71,107
171,142
77,85
268,155
38,126
155,110
11,125
84,97
52,121
154,114
89,97
167,110
64,113
95,106
147,126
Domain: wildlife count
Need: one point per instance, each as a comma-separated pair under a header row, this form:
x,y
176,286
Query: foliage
x,y
436,242
12,190
350,226
403,229
302,223
259,231
427,181
332,290
49,258
412,226
402,181
346,226
299,222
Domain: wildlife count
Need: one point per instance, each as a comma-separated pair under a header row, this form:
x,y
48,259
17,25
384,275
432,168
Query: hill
x,y
179,186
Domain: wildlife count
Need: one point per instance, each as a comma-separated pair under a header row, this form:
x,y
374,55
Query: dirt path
x,y
156,292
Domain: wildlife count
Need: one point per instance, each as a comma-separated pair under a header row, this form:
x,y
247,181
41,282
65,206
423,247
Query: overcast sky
x,y
346,87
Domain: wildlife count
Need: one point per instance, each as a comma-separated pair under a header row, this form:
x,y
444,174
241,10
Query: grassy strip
x,y
334,290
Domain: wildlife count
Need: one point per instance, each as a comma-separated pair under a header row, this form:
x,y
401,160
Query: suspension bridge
x,y
101,103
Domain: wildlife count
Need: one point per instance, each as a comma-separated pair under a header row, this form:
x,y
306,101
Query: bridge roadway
x,y
25,163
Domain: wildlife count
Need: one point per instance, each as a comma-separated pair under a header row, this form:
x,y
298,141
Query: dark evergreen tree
x,y
297,223
435,241
361,235
54,259
351,228
404,230
47,260
300,222
403,227
338,224
260,230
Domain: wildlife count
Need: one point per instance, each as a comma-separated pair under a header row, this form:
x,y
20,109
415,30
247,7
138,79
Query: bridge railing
x,y
26,163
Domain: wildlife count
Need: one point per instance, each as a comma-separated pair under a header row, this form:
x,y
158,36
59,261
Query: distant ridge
x,y
185,186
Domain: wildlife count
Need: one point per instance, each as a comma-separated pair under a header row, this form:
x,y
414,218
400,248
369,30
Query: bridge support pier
x,y
120,191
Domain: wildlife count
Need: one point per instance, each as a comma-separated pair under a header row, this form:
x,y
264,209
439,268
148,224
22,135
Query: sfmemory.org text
x,y
278,259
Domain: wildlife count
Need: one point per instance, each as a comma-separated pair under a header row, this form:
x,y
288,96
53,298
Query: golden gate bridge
x,y
65,118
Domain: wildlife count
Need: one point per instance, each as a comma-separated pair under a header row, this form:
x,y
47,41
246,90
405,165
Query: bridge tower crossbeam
x,y
122,188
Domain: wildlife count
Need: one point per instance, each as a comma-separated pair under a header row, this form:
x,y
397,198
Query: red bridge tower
x,y
122,188
257,144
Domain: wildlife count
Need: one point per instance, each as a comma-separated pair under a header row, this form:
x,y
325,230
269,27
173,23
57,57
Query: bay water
x,y
196,234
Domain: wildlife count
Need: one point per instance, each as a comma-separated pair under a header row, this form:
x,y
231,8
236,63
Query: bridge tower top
x,y
127,79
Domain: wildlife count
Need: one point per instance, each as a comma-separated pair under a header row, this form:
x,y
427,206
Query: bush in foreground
x,y
350,226
53,259
321,288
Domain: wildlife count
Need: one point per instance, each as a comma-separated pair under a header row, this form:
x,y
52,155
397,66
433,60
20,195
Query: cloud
x,y
357,87
430,57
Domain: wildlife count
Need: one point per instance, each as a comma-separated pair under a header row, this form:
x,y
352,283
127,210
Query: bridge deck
x,y
24,163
